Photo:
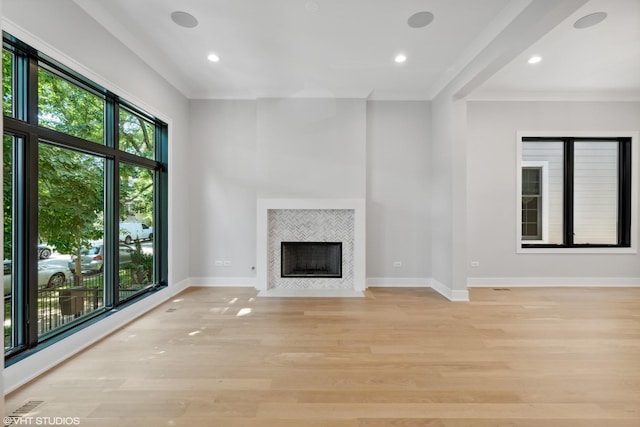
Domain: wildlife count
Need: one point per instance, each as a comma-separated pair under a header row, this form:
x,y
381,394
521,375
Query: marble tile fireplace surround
x,y
310,220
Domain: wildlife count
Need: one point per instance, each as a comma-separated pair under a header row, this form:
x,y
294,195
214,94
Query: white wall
x,y
270,148
492,128
517,28
64,32
223,189
448,201
311,148
398,190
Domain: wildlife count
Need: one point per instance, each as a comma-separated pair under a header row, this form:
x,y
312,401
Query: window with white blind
x,y
575,192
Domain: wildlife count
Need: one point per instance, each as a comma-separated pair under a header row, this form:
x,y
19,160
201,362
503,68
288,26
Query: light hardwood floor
x,y
399,357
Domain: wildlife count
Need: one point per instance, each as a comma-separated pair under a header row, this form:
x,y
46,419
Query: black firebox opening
x,y
311,259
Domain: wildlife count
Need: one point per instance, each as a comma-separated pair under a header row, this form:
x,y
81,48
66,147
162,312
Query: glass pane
x,y
7,184
71,221
531,215
531,181
136,230
136,134
552,153
67,108
7,83
595,202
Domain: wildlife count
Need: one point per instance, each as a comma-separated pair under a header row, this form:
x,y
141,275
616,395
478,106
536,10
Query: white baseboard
x,y
215,282
40,362
450,294
398,282
418,282
542,282
179,287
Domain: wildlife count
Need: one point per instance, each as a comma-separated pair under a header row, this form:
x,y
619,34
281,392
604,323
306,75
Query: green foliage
x,y
136,135
136,193
70,198
71,184
141,265
7,83
68,108
136,183
7,151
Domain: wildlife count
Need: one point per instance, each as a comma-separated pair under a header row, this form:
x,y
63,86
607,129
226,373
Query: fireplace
x,y
311,259
311,220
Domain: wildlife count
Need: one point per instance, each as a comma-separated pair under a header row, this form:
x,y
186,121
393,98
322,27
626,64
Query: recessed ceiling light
x,y
184,19
420,19
534,59
213,57
400,58
590,20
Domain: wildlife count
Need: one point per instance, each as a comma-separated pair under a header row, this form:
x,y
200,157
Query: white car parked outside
x,y
130,231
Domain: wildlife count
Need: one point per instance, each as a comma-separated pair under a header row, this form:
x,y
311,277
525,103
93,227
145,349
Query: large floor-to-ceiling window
x,y
84,198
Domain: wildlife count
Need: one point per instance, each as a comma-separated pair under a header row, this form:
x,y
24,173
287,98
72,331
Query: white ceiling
x,y
602,61
345,48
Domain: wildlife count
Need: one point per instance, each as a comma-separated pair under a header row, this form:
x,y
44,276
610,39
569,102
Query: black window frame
x,y
23,124
539,201
624,192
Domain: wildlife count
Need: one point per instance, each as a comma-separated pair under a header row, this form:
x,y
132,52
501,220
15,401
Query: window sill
x,y
584,250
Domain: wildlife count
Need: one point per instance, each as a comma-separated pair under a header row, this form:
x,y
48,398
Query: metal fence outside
x,y
64,304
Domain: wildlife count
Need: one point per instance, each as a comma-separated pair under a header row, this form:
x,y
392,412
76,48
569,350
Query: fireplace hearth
x,y
311,259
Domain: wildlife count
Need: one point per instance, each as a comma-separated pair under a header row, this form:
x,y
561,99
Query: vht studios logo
x,y
42,421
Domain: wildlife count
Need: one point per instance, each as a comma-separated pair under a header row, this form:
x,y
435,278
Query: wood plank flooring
x,y
221,357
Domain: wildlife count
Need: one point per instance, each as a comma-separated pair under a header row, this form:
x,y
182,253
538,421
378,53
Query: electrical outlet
x,y
217,263
475,264
397,264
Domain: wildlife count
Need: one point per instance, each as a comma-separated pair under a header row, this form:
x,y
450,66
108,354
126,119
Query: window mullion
x,y
20,84
160,201
111,209
568,191
19,255
28,243
31,92
624,192
28,201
